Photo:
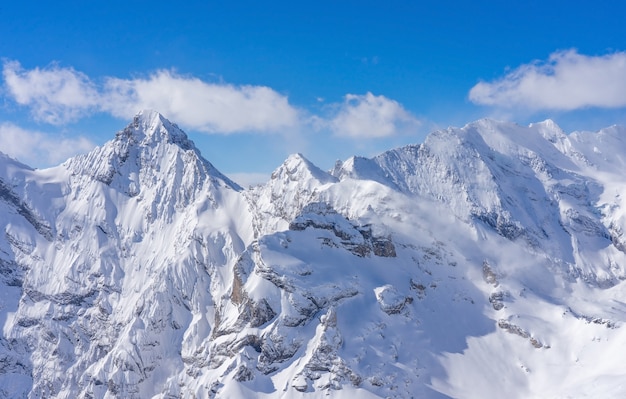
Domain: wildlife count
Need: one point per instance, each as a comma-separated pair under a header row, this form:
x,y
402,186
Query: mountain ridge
x,y
490,256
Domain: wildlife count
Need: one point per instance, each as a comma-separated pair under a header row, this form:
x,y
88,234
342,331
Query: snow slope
x,y
487,261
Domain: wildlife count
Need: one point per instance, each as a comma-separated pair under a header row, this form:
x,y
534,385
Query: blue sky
x,y
252,82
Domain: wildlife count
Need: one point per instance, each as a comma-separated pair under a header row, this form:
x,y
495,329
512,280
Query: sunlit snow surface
x,y
486,262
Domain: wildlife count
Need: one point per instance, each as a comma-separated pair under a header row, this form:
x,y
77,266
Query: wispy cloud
x,y
566,81
55,95
370,116
37,148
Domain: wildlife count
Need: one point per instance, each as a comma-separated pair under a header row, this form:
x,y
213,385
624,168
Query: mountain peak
x,y
150,127
548,123
147,149
296,166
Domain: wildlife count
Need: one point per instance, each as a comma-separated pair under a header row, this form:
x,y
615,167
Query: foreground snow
x,y
487,261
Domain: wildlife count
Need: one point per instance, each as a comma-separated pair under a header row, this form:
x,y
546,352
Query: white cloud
x,y
208,107
370,116
39,149
59,95
55,95
566,81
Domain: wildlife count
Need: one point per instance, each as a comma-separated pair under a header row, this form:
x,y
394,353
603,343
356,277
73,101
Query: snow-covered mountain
x,y
487,261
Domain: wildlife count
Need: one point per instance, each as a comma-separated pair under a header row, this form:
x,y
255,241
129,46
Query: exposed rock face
x,y
325,369
357,239
517,330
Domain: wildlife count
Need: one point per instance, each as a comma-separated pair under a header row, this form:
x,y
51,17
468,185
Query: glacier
x,y
488,260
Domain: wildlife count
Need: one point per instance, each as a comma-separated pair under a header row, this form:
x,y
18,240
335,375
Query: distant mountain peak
x,y
548,123
549,130
296,165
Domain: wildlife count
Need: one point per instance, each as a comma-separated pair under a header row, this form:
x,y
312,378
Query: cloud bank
x,y
58,95
566,81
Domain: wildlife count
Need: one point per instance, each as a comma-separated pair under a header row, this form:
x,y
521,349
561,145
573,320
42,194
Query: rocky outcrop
x,y
357,239
325,369
517,330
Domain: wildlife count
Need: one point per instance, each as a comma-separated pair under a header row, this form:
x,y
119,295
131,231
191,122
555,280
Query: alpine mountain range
x,y
488,261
